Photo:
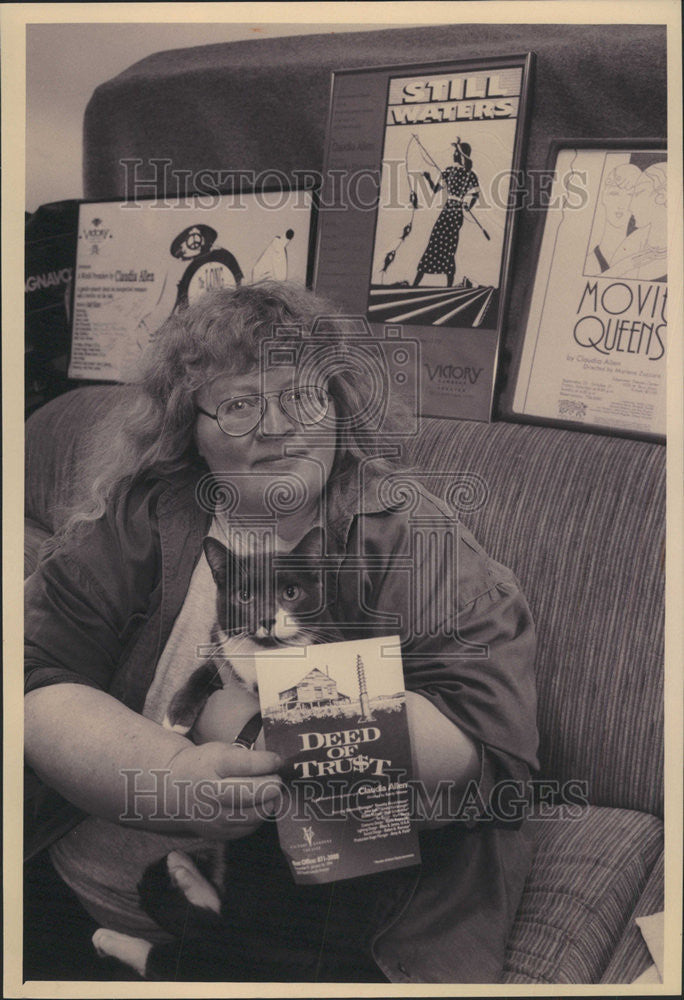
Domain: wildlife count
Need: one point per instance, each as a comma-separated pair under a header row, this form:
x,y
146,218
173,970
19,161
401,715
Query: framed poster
x,y
138,262
417,211
594,353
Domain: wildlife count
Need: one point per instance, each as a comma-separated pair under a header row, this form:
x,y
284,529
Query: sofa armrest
x,y
631,956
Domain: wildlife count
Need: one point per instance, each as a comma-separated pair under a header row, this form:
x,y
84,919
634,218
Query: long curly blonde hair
x,y
151,432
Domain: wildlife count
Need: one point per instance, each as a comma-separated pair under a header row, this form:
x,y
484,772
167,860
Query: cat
x,y
282,933
258,606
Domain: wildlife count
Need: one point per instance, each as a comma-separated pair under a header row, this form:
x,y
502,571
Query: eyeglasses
x,y
304,404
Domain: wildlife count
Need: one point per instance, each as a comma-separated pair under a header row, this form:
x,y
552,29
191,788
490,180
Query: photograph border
x,y
663,13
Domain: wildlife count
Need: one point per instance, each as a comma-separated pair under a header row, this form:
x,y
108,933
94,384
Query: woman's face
x,y
278,448
616,202
644,205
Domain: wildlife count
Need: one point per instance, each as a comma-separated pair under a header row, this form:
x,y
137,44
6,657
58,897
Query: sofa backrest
x,y
262,106
580,520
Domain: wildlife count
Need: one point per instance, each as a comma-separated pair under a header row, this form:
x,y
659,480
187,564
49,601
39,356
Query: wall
x,y
64,64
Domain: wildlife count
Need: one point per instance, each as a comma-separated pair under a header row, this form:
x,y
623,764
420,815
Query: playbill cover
x,y
336,713
417,213
594,353
138,262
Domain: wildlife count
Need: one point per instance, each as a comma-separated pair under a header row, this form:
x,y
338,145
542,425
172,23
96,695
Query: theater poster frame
x,y
139,260
593,356
400,238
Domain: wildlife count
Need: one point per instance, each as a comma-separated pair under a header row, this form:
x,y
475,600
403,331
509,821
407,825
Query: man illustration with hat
x,y
207,269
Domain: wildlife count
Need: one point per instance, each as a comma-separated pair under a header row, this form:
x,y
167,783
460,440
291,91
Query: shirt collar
x,y
358,492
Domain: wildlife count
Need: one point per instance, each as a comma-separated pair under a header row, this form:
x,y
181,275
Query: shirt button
x,y
402,968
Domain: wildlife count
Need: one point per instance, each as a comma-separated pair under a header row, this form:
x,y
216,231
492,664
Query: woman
x,y
642,254
616,197
111,610
462,185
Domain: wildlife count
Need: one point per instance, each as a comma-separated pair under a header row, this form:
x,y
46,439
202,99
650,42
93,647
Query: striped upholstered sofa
x,y
579,517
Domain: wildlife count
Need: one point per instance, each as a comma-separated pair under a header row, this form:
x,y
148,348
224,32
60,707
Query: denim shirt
x,y
99,611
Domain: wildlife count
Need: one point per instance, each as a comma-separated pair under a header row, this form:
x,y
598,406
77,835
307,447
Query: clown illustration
x,y
206,267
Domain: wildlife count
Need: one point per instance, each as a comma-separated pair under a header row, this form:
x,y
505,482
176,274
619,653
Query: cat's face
x,y
273,606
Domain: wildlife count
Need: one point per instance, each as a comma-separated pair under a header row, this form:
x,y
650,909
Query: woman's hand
x,y
216,791
435,187
633,261
113,763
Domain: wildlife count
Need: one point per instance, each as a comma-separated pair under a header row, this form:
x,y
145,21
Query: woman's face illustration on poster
x,y
616,203
617,194
648,203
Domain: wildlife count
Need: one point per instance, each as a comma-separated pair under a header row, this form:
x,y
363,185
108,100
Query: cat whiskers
x,y
309,635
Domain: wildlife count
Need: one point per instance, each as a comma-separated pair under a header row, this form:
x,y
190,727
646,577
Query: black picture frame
x,y
362,232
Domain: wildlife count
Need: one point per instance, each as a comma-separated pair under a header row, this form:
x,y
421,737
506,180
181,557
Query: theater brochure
x,y
336,713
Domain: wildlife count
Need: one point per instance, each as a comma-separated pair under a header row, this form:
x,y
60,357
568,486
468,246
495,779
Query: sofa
x,y
580,520
579,517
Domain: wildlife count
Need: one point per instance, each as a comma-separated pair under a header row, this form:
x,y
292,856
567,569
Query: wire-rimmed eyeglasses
x,y
304,404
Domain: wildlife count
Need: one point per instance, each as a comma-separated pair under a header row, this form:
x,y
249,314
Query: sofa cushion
x,y
587,876
580,519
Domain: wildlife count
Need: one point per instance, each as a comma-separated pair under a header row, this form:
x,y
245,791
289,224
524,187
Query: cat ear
x,y
218,557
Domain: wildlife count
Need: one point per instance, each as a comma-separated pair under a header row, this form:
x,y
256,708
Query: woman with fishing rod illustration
x,y
462,187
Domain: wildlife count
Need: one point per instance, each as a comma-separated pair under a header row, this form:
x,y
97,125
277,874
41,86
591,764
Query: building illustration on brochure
x,y
336,712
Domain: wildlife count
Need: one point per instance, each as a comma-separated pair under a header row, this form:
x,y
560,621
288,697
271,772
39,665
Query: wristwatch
x,y
249,733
